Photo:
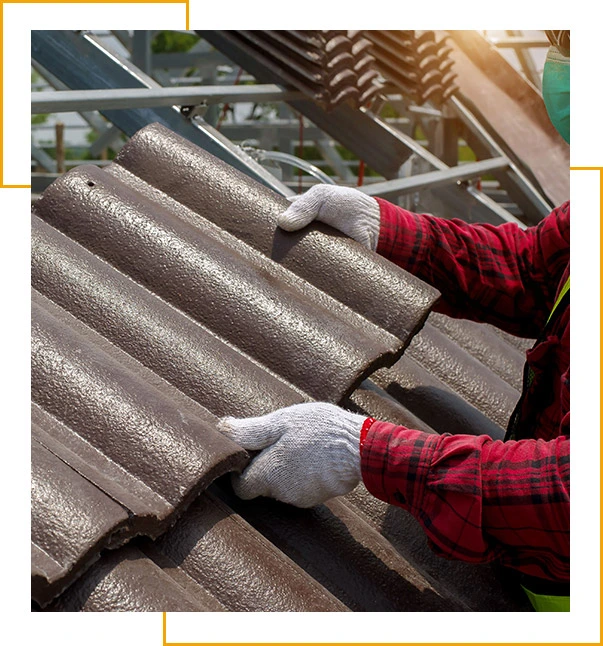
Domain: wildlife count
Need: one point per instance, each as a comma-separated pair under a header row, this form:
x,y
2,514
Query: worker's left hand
x,y
309,453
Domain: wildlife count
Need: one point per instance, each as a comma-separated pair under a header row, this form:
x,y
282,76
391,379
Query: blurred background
x,y
370,109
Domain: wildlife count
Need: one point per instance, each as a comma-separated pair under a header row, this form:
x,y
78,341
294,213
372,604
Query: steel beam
x,y
124,37
127,98
383,147
81,62
331,155
525,194
94,119
487,206
110,138
395,187
141,50
43,158
525,59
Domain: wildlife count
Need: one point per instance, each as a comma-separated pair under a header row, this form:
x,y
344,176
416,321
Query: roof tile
x,y
147,451
221,282
173,345
157,158
165,295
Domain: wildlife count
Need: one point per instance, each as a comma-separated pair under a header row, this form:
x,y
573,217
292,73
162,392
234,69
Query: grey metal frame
x,y
520,45
81,62
127,98
384,148
531,201
102,81
395,187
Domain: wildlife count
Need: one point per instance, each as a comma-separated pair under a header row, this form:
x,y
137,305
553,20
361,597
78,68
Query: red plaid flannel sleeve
x,y
502,275
477,499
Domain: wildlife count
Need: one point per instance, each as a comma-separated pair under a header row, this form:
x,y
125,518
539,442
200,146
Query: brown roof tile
x,y
156,158
221,282
141,443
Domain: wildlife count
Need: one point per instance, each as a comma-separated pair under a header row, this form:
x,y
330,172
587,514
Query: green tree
x,y
166,42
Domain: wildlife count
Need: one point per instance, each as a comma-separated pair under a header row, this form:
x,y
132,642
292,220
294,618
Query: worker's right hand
x,y
346,209
308,453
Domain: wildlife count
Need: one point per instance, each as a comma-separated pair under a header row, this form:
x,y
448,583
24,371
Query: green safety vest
x,y
541,602
562,293
547,602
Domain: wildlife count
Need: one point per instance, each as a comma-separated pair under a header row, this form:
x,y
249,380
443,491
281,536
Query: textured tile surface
x,y
346,555
163,338
264,309
126,580
489,348
61,497
465,374
165,297
149,451
432,400
369,284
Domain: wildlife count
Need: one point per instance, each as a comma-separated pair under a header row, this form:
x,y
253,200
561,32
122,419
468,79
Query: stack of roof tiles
x,y
329,66
164,297
414,63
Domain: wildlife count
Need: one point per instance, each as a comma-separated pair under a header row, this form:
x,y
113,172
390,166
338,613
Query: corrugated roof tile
x,y
156,158
149,451
474,381
346,555
160,336
61,497
221,282
126,580
321,63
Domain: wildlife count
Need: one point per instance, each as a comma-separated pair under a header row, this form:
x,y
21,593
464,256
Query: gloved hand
x,y
347,209
309,453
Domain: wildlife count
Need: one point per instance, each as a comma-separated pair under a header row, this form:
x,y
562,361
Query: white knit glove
x,y
309,453
347,209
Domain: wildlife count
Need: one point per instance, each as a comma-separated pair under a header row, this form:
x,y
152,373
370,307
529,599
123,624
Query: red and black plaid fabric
x,y
479,499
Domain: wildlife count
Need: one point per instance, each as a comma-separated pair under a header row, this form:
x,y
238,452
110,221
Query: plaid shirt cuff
x,y
395,464
397,227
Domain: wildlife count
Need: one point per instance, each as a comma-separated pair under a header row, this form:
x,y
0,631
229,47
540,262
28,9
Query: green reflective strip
x,y
564,291
548,603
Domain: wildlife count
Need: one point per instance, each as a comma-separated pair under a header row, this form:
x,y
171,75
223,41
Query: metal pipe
x,y
81,61
285,158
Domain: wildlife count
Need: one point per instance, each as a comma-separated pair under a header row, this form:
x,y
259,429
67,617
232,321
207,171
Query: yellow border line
x,y
184,2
